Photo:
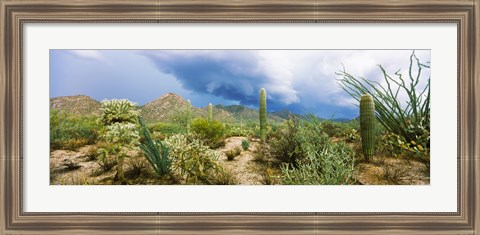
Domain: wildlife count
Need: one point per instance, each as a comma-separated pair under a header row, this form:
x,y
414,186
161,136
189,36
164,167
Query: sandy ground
x,y
245,170
79,168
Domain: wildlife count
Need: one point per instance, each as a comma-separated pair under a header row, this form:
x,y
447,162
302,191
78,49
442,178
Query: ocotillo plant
x,y
367,125
188,115
210,112
263,114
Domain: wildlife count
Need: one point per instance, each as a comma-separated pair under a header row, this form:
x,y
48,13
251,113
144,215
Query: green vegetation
x,y
156,152
409,121
367,126
232,153
182,144
119,118
245,145
188,114
263,114
194,161
70,131
331,164
210,132
210,112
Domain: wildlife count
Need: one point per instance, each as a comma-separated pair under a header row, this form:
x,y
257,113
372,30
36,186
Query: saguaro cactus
x,y
367,125
188,115
263,114
210,112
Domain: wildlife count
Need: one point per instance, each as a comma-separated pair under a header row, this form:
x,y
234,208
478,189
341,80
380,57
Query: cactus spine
x,y
263,114
367,125
210,112
188,115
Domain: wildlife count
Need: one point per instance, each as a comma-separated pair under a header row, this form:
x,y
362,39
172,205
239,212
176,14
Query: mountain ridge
x,y
167,107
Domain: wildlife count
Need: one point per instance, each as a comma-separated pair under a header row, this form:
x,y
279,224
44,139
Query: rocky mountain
x,y
78,104
162,108
169,107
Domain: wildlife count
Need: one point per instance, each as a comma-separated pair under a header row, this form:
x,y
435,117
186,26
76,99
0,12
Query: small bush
x,y
233,130
333,129
262,154
211,132
167,129
68,131
106,160
232,153
193,160
331,165
286,143
269,177
224,177
245,145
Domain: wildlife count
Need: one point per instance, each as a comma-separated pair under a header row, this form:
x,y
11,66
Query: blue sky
x,y
302,81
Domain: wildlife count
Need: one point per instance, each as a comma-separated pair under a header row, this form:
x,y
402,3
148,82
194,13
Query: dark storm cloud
x,y
232,75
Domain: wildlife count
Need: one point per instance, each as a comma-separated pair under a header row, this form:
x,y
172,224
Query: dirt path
x,y
242,167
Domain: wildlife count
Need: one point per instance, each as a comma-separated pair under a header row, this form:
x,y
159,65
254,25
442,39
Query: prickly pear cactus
x,y
188,115
210,112
367,125
263,114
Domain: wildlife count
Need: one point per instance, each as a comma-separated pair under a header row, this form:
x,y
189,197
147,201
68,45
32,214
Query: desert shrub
x,y
106,160
351,135
395,145
211,132
156,152
232,153
269,177
68,131
167,129
262,154
193,160
245,145
285,143
333,164
332,129
234,130
224,177
409,119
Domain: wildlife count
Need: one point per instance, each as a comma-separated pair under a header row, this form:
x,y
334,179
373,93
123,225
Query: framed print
x,y
263,117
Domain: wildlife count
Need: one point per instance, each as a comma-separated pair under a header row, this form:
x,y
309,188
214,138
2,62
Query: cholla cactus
x,y
210,112
120,120
367,125
263,114
114,111
124,134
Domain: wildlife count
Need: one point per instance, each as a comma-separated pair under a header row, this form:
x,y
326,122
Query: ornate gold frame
x,y
14,13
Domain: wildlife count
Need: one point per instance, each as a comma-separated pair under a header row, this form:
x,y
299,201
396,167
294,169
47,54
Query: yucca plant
x,y
156,152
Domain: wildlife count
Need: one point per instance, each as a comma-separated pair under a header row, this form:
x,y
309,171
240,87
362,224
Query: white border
x,y
439,196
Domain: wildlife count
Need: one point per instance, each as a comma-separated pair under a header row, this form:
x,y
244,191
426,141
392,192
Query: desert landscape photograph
x,y
239,117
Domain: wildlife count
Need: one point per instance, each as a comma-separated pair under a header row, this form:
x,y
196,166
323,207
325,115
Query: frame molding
x,y
14,13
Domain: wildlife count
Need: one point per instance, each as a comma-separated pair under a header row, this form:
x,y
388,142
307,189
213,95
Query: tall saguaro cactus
x,y
367,125
188,115
210,112
263,114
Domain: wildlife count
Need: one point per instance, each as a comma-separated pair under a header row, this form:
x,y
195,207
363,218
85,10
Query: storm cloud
x,y
301,81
